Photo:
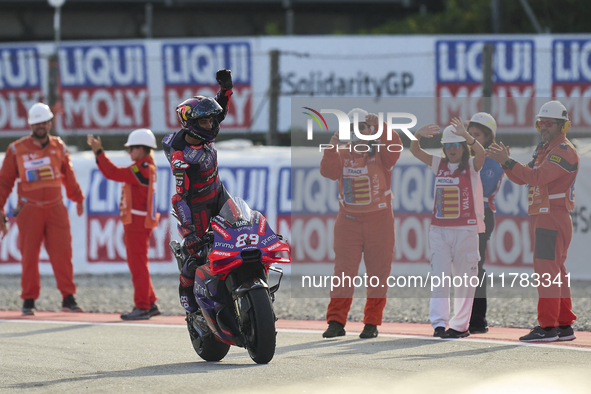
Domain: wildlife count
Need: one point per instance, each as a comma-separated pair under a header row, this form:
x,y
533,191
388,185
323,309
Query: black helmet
x,y
191,110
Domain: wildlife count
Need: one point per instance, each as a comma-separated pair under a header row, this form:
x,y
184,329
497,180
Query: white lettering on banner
x,y
110,236
461,61
100,236
412,225
100,75
313,239
236,182
76,107
105,108
102,66
239,99
173,75
201,64
512,105
577,103
18,68
9,246
571,62
14,107
137,102
185,64
9,249
510,229
8,112
15,120
161,235
239,62
311,192
102,97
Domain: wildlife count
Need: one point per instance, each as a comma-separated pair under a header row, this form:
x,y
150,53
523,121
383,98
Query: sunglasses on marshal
x,y
449,145
547,123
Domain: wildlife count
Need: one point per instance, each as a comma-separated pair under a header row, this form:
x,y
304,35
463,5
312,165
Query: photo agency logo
x,y
361,142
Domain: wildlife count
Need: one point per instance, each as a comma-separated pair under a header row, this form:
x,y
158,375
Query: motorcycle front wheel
x,y
260,332
207,347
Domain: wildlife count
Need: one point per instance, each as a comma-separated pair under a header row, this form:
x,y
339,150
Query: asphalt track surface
x,y
98,353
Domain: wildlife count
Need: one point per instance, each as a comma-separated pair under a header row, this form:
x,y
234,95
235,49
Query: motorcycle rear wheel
x,y
208,347
261,331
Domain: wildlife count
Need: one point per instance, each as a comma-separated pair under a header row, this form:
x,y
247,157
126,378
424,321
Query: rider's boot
x,y
186,295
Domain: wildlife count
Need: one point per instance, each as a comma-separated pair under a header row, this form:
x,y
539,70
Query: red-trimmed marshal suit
x,y
364,225
551,179
139,218
41,215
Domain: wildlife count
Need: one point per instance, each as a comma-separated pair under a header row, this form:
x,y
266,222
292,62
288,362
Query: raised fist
x,y
224,78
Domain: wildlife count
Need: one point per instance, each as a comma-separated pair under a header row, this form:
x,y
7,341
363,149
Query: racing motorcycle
x,y
232,284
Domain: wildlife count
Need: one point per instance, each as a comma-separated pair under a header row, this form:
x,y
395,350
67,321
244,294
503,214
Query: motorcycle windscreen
x,y
236,210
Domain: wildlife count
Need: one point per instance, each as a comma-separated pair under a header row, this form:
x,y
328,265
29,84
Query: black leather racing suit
x,y
200,194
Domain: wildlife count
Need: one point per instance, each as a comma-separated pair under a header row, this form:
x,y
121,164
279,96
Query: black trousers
x,y
478,318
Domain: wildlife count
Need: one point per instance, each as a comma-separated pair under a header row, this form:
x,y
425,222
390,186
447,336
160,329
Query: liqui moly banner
x,y
20,86
315,205
119,85
571,78
300,204
104,88
98,236
189,70
459,71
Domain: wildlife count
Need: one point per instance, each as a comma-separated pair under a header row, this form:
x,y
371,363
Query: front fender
x,y
254,283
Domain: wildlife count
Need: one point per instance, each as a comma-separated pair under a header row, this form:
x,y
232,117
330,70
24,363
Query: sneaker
x,y
538,334
335,329
440,332
28,307
154,311
565,333
369,331
478,330
451,333
137,314
69,305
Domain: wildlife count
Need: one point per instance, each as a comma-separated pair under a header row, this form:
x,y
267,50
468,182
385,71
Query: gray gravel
x,y
114,294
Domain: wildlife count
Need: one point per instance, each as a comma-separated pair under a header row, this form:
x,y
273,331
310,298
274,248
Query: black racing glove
x,y
193,243
224,78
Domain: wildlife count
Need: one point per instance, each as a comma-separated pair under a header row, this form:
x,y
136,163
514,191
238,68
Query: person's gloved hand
x,y
193,243
224,78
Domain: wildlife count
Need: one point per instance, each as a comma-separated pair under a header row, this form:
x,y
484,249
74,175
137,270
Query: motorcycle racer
x,y
199,192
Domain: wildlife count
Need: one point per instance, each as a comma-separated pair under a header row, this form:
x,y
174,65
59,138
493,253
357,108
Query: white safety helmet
x,y
486,120
449,136
362,115
39,113
143,137
553,109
